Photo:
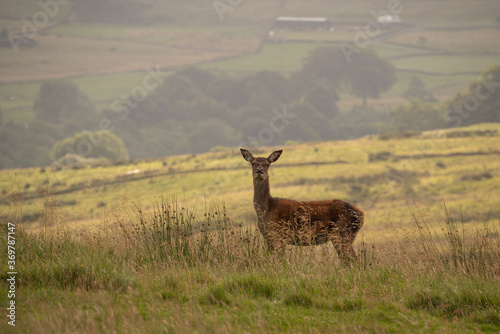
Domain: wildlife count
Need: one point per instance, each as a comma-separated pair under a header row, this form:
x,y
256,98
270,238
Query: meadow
x,y
171,244
378,174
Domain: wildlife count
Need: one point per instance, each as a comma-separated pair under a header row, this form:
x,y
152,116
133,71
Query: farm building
x,y
302,23
389,19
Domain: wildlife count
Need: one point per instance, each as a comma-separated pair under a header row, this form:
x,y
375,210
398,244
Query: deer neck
x,y
261,195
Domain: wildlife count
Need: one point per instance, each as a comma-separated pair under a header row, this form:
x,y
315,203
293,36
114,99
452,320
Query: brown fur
x,y
284,221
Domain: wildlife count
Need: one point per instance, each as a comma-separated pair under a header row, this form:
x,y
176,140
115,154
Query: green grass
x,y
111,86
173,270
152,33
388,51
445,64
479,40
17,99
94,31
272,57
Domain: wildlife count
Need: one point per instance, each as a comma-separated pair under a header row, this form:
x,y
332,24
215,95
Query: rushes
x,y
172,232
452,245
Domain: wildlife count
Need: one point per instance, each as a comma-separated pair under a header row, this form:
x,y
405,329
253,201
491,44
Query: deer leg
x,y
343,246
348,253
348,249
274,246
337,244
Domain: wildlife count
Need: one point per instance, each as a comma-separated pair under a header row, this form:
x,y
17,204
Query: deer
x,y
284,221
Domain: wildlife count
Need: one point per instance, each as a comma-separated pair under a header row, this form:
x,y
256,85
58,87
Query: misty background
x,y
97,81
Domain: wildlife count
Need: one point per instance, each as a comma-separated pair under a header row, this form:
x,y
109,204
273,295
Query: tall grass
x,y
172,233
452,245
170,270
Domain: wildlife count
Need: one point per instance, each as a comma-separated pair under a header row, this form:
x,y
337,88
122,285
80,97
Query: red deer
x,y
284,221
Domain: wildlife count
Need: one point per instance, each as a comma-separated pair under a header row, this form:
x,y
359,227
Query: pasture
x,y
172,245
380,175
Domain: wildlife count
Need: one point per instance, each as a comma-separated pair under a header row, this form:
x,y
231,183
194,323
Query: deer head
x,y
260,166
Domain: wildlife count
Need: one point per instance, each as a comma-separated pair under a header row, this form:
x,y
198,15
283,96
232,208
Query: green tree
x,y
368,75
479,103
308,124
416,90
417,116
323,97
22,146
228,90
272,82
323,63
200,77
213,132
169,101
204,107
59,99
86,144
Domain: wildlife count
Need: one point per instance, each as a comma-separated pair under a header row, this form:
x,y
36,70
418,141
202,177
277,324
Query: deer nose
x,y
259,170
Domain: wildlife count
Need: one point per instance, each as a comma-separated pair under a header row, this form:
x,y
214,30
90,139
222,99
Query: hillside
x,y
170,245
381,175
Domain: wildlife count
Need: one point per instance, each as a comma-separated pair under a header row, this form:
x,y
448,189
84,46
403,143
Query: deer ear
x,y
274,156
246,155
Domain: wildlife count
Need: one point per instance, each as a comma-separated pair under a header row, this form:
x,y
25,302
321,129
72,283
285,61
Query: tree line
x,y
195,110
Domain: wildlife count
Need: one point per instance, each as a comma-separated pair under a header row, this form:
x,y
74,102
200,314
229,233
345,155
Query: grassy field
x,y
66,56
272,57
476,40
167,277
381,176
171,245
446,64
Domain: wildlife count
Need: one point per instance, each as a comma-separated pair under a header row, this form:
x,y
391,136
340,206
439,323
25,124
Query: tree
x,y
323,97
213,132
308,124
323,63
416,90
58,99
479,103
26,146
169,101
86,144
417,116
228,90
273,83
200,77
369,75
204,107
